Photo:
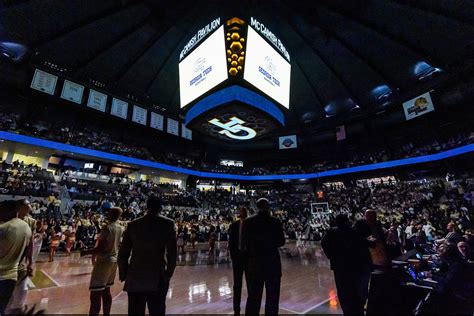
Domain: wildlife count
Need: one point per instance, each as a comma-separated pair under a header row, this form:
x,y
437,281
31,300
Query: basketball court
x,y
201,284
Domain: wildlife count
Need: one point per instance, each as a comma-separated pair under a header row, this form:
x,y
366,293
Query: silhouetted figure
x,y
238,257
263,235
350,260
148,274
105,266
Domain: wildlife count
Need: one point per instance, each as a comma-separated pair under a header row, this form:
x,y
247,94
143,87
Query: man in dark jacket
x,y
147,274
350,260
238,256
262,236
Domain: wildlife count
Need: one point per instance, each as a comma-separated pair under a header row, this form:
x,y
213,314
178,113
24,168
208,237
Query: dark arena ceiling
x,y
350,59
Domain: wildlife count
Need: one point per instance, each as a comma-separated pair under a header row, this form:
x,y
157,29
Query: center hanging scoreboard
x,y
218,66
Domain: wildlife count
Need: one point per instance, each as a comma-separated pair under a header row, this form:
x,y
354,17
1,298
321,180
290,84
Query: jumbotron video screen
x,y
204,68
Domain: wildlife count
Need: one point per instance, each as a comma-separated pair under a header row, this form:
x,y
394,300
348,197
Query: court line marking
x,y
30,284
319,304
51,278
290,310
309,309
305,311
116,296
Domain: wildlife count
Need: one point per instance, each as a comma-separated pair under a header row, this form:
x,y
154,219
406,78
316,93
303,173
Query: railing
x,y
156,165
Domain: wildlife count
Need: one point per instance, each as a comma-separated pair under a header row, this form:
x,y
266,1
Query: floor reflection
x,y
200,256
202,283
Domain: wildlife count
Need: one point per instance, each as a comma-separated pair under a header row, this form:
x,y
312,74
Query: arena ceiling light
x,y
14,52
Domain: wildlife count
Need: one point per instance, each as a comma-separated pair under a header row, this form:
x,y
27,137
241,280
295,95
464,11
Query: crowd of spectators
x,y
407,150
100,140
436,212
93,139
410,212
21,179
8,122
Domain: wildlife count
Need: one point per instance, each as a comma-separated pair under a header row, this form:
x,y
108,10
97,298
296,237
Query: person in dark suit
x,y
238,256
349,256
147,274
262,236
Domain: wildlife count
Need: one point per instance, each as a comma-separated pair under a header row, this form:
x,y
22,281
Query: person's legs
x,y
6,291
51,254
110,272
272,291
106,301
357,301
343,291
156,301
95,302
349,291
18,298
364,280
137,303
37,248
255,292
102,278
238,275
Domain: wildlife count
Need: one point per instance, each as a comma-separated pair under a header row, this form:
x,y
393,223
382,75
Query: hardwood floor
x,y
200,285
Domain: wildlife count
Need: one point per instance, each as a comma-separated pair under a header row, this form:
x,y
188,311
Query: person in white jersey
x,y
26,266
105,267
15,237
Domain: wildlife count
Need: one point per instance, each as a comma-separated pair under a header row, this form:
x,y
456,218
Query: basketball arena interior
x,y
248,157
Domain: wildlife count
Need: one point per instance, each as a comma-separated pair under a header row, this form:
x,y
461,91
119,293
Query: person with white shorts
x,y
105,266
26,266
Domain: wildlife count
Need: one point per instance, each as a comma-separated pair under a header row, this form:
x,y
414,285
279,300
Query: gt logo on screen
x,y
234,129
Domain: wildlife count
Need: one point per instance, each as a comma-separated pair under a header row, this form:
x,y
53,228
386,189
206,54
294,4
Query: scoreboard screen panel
x,y
266,69
204,68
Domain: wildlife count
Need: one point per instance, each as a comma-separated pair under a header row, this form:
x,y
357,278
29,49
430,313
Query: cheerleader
x,y
54,243
70,234
212,240
180,242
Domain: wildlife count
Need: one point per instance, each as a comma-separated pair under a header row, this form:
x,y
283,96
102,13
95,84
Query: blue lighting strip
x,y
234,93
156,165
91,152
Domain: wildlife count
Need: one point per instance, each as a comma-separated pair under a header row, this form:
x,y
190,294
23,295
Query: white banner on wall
x,y
186,132
157,121
72,92
119,108
139,115
97,100
172,127
44,82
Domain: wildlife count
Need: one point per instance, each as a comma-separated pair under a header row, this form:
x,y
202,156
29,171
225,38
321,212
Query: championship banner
x,y
418,106
287,142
